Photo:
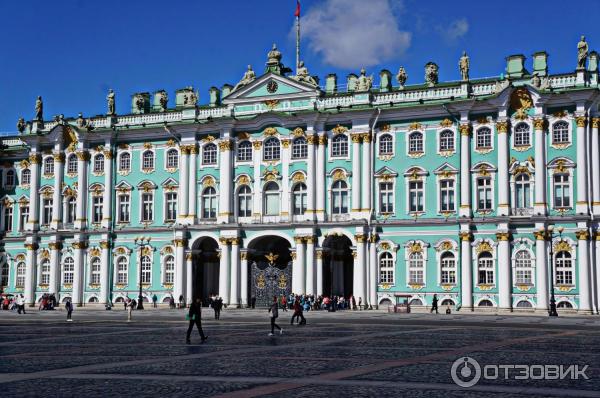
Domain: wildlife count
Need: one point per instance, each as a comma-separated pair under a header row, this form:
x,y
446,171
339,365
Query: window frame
x,y
209,196
387,268
72,164
481,140
271,149
340,148
415,143
246,197
210,154
385,148
486,264
248,150
299,148
344,196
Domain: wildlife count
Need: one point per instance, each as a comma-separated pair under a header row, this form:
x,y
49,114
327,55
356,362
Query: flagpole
x,y
297,42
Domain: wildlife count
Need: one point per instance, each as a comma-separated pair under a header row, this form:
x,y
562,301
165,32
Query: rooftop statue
x,y
21,125
139,102
39,109
401,77
303,76
536,81
110,100
582,53
464,64
248,78
364,83
163,100
274,56
80,120
431,74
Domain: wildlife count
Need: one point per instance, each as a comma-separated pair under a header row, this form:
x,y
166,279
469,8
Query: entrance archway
x,y
338,266
269,269
205,271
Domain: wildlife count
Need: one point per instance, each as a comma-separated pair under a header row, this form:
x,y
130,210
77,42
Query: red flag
x,y
297,12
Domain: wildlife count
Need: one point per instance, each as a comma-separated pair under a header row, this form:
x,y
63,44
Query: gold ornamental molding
x,y
503,236
188,256
243,135
180,242
256,145
501,127
446,123
415,126
539,124
270,131
79,245
465,129
59,157
356,137
484,247
562,246
225,145
208,138
360,238
386,127
595,122
83,155
582,234
34,158
104,244
298,132
581,120
339,129
539,235
95,252
322,139
55,246
311,140
339,175
31,246
285,143
415,248
298,177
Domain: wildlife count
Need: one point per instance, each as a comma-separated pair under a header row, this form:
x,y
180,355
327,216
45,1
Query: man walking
x,y
195,318
21,304
154,300
298,313
274,310
69,308
434,304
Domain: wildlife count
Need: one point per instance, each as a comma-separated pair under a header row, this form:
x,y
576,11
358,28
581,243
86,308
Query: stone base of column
x,y
106,223
539,209
596,208
466,309
581,208
320,215
80,224
584,312
55,224
580,80
464,211
224,218
503,210
187,220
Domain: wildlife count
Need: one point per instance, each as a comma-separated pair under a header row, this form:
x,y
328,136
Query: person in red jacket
x,y
298,313
284,302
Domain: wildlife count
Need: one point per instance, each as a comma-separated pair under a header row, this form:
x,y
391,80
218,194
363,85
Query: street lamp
x,y
141,242
551,235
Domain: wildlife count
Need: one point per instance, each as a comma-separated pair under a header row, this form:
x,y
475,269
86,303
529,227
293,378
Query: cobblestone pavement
x,y
346,354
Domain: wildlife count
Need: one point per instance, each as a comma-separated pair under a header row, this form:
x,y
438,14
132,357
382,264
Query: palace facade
x,y
485,192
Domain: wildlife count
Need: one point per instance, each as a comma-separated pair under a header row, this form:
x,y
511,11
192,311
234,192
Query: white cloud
x,y
354,33
455,30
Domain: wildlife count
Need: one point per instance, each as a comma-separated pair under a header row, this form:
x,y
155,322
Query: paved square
x,y
360,353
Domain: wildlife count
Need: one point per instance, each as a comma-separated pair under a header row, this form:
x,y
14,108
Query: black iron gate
x,y
270,280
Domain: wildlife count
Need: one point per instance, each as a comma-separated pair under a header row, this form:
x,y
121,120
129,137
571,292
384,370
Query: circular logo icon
x,y
465,372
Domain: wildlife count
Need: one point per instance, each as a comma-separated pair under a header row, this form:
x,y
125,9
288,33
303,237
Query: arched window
x,y
446,141
25,177
122,271
485,268
562,190
146,264
49,165
99,163
172,159
271,150
20,279
522,137
299,198
95,271
524,304
485,303
209,203
71,209
299,148
386,145
125,162
148,160
386,268
415,268
7,215
209,154
484,194
339,146
4,270
147,207
271,199
9,179
244,201
560,132
564,304
45,273
68,270
522,191
447,195
483,138
169,270
448,268
72,164
415,142
564,268
447,302
244,151
339,197
523,268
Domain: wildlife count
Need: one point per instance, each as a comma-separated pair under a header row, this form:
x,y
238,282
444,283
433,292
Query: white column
x,y
319,258
104,271
466,271
503,180
373,267
78,272
311,182
224,271
359,269
179,287
504,271
540,167
356,165
59,169
595,166
34,196
256,191
300,265
310,265
286,203
541,271
225,181
585,286
582,166
182,195
30,273
83,157
367,176
108,187
235,273
193,184
320,179
54,285
189,278
465,171
244,278
596,268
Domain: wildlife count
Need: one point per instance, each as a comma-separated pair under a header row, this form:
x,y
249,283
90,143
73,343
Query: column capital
x,y
465,129
367,138
55,245
189,256
35,158
31,246
180,242
465,236
104,244
311,139
256,144
356,137
373,238
185,149
323,139
539,123
285,142
582,234
360,238
224,241
59,157
107,154
235,241
310,240
79,245
319,254
597,235
83,155
539,235
225,145
293,255
354,254
581,121
298,239
503,236
501,127
243,256
595,122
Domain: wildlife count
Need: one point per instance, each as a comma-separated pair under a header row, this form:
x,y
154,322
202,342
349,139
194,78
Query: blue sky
x,y
71,52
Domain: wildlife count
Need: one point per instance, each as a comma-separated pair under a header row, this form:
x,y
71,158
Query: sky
x,y
72,51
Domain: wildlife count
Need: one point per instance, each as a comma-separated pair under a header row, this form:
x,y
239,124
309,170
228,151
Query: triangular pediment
x,y
446,167
272,86
386,171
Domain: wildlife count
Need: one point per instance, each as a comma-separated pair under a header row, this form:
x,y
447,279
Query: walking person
x,y
274,310
154,300
195,318
21,304
284,303
298,314
253,301
69,308
434,304
129,307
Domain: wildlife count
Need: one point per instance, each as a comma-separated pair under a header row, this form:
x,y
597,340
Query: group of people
x,y
48,302
309,302
14,303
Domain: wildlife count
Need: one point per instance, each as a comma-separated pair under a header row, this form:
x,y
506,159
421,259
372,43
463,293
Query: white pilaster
x,y
193,184
504,271
286,209
83,156
107,195
466,270
30,273
356,165
225,181
310,265
541,271
503,180
320,178
244,279
179,288
540,167
465,171
373,267
224,271
54,283
104,271
59,169
34,197
183,193
257,190
359,269
189,278
78,272
595,166
311,183
596,268
582,166
235,273
584,282
300,266
319,265
367,176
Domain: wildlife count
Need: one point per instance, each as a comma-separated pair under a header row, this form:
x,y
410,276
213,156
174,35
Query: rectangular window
x,y
386,198
8,218
97,204
24,217
562,195
124,208
171,206
46,211
415,196
71,205
447,195
484,194
147,207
